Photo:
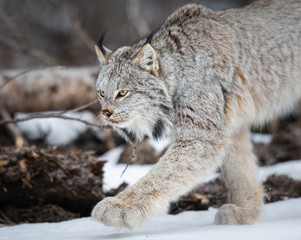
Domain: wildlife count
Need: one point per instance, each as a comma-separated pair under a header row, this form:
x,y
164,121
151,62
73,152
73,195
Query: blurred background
x,y
63,32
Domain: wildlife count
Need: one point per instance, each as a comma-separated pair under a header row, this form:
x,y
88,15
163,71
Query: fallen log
x,y
54,88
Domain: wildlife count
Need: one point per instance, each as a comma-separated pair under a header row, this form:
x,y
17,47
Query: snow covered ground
x,y
280,220
113,171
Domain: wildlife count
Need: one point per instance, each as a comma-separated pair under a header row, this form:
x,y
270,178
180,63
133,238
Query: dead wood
x,y
17,136
46,89
214,194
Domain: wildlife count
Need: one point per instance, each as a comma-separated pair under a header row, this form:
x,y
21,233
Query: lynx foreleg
x,y
180,170
239,173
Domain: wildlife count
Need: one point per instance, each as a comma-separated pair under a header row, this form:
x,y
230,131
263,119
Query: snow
x,y
261,138
290,168
281,221
113,177
57,131
112,171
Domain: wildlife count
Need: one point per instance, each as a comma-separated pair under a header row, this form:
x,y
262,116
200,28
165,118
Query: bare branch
x,y
51,115
83,35
58,115
89,104
133,157
7,220
16,134
10,25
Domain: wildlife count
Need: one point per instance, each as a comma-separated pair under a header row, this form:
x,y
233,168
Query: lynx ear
x,y
102,51
101,57
147,59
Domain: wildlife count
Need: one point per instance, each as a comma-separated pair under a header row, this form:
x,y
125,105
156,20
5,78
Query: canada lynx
x,y
204,78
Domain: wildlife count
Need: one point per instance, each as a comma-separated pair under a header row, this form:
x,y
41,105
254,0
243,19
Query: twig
x,y
81,107
58,115
5,218
11,26
130,160
51,115
83,35
17,135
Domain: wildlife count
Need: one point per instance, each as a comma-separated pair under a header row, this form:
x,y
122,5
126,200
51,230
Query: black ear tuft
x,y
150,36
100,42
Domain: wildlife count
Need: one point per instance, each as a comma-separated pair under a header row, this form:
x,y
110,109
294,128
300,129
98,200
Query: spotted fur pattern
x,y
203,78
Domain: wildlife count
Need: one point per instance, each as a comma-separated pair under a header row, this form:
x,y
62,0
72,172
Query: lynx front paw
x,y
113,211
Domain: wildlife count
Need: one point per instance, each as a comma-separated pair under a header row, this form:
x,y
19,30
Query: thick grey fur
x,y
204,78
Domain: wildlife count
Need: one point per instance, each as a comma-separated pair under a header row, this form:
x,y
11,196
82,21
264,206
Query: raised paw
x,y
113,211
232,214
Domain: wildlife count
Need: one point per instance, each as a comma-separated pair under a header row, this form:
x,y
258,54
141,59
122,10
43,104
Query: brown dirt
x,y
214,194
285,145
43,180
144,154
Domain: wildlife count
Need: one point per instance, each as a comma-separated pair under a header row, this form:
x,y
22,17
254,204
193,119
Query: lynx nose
x,y
107,112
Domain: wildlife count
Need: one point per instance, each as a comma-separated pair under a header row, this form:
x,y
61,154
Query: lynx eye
x,y
122,93
101,93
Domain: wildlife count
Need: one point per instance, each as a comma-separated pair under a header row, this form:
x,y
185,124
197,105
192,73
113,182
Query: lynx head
x,y
134,99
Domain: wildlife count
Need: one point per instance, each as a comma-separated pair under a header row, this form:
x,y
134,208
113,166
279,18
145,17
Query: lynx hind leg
x,y
239,174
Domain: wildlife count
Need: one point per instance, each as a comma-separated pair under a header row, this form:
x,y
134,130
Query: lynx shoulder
x,y
203,78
